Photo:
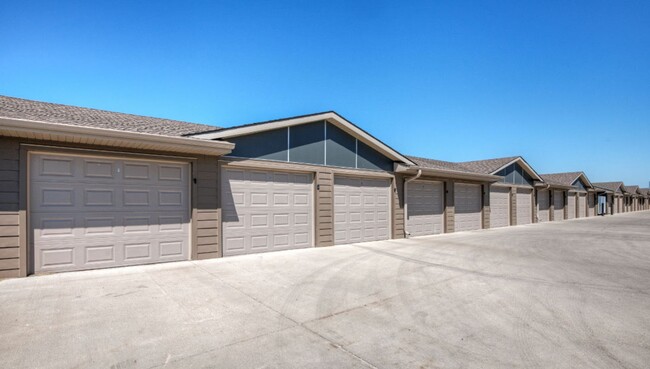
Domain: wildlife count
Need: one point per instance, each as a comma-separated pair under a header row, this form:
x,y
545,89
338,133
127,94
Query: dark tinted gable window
x,y
320,143
515,174
270,145
579,184
341,148
368,158
307,143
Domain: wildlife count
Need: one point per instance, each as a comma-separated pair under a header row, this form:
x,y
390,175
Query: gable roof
x,y
491,166
447,169
631,188
644,191
23,109
439,164
610,186
566,179
329,116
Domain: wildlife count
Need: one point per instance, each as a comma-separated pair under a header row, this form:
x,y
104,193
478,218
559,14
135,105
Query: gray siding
x,y
9,208
318,143
207,222
398,207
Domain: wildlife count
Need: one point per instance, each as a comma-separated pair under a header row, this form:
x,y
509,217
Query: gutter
x,y
39,130
407,234
450,174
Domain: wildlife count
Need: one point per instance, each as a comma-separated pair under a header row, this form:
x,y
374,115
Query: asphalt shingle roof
x,y
12,107
612,186
487,166
563,179
439,164
631,188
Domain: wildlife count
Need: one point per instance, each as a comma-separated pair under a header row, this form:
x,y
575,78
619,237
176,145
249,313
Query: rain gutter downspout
x,y
407,234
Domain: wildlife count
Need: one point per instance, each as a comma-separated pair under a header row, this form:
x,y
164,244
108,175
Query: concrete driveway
x,y
557,295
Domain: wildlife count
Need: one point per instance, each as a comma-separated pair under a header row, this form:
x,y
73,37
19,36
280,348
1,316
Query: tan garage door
x,y
582,205
499,206
571,206
265,210
467,200
591,198
558,205
524,206
425,208
97,212
361,210
543,205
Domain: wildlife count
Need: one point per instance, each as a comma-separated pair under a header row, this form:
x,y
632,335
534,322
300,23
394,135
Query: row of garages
x,y
94,195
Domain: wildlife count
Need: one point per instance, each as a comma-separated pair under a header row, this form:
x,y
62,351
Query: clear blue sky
x,y
450,80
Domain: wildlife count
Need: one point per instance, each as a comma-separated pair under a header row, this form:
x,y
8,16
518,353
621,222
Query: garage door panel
x,y
425,208
524,206
85,212
543,205
361,210
582,205
571,204
499,207
266,211
467,200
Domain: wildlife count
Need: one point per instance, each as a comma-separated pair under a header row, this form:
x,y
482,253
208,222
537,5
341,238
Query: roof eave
x,y
446,173
33,129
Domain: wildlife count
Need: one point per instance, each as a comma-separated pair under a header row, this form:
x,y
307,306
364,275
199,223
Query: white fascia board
x,y
331,117
523,162
13,127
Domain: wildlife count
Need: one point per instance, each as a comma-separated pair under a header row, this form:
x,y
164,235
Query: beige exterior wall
x,y
450,210
486,206
324,208
399,218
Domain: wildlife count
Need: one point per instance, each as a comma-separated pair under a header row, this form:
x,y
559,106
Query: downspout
x,y
407,234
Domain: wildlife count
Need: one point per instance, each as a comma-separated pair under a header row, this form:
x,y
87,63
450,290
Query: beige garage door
x,y
499,207
99,212
265,210
425,208
524,206
591,199
582,205
571,206
543,205
558,205
361,210
467,200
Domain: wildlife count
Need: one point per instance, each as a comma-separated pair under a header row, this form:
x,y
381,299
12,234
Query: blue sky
x,y
454,80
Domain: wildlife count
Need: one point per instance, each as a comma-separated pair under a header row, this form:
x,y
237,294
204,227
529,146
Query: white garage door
x,y
100,212
571,206
467,200
361,210
425,208
524,206
543,205
499,207
558,205
582,205
265,210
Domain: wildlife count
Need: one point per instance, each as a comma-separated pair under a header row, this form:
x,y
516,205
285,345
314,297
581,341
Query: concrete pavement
x,y
572,294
